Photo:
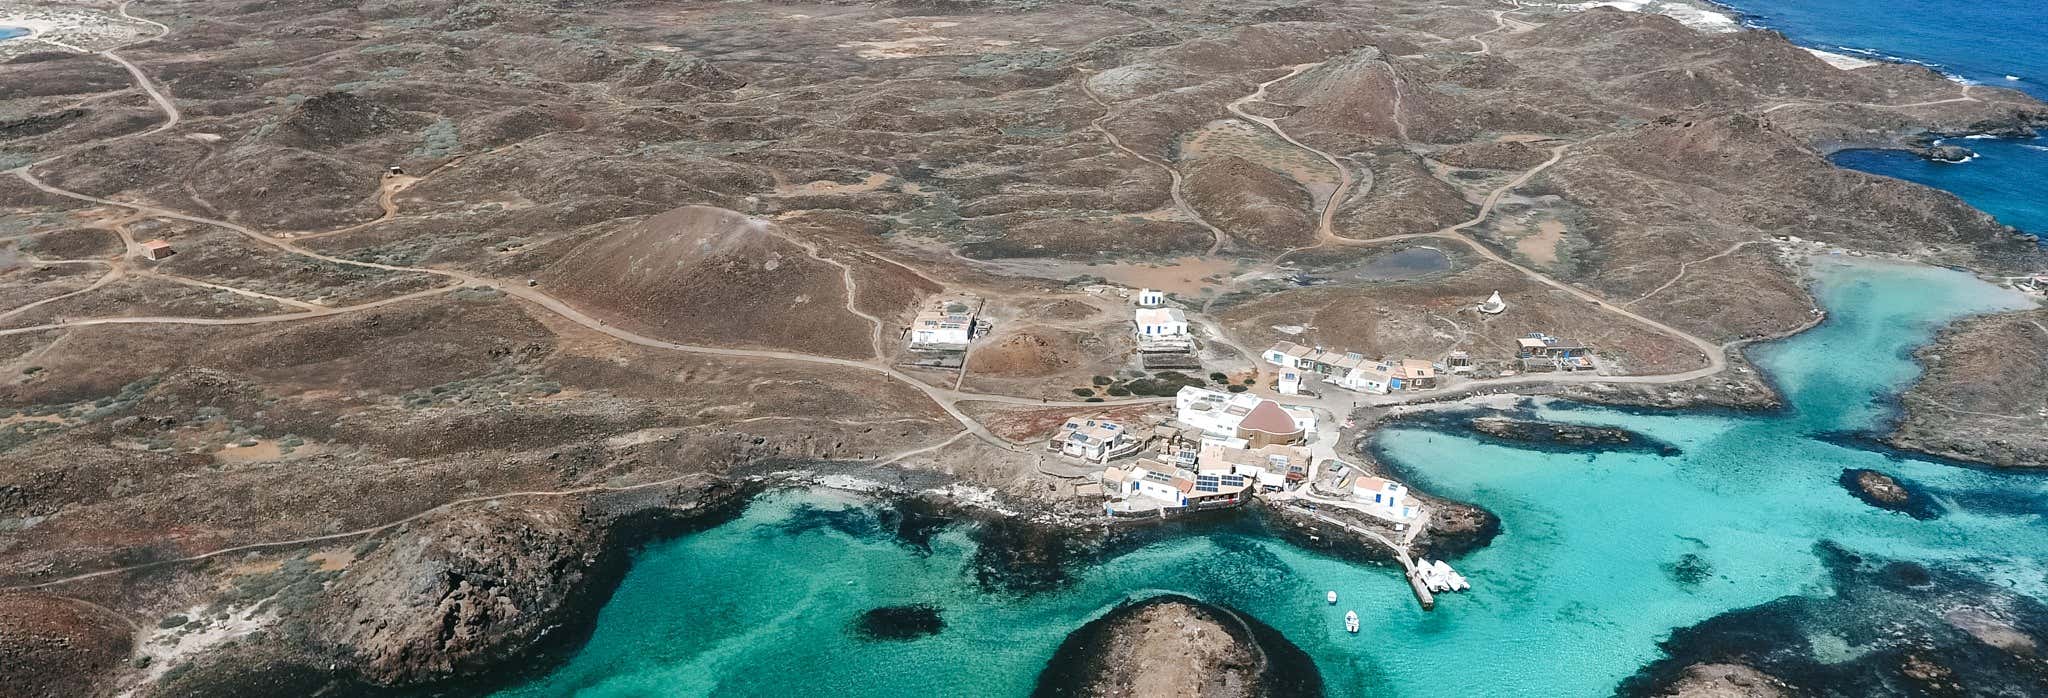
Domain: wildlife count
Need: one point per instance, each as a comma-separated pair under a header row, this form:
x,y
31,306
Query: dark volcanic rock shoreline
x,y
1522,429
1890,493
1173,645
1916,631
450,609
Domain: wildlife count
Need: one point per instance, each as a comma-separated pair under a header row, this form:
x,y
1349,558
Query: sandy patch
x,y
331,560
166,646
1541,247
1841,61
874,182
921,38
262,450
74,29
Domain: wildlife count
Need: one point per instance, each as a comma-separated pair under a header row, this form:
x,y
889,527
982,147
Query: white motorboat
x,y
1351,621
1333,597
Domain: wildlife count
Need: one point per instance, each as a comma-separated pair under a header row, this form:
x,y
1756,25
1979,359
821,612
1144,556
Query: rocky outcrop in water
x,y
1889,628
1887,492
1541,432
1177,646
1726,681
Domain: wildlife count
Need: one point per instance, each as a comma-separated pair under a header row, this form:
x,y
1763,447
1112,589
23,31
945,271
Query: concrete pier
x,y
1422,594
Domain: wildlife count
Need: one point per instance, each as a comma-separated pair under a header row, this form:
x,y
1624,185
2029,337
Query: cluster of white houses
x,y
1299,364
1224,448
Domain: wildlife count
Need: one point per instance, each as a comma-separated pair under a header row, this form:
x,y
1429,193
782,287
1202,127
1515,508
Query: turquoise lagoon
x,y
1571,598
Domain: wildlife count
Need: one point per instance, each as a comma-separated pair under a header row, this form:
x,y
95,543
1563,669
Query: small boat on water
x,y
1351,621
1332,597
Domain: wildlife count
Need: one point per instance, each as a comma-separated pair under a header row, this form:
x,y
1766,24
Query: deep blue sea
x,y
2008,179
2002,43
1978,40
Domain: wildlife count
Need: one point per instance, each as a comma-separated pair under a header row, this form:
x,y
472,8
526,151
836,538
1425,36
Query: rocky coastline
x,y
1173,645
1920,631
464,602
1983,381
1521,428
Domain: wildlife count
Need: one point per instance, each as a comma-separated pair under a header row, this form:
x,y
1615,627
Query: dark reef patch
x,y
899,622
1690,570
912,521
1912,630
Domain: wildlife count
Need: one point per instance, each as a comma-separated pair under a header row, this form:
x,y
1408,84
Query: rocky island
x,y
1177,646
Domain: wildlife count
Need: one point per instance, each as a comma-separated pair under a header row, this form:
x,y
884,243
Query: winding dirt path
x,y
947,399
1683,268
1179,200
1326,224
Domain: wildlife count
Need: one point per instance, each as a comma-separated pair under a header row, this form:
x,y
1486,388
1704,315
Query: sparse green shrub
x,y
1118,391
1084,392
439,140
1103,380
1219,377
1237,388
175,620
1093,399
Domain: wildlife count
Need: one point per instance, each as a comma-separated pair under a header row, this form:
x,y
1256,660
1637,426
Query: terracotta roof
x,y
1374,484
1269,418
156,244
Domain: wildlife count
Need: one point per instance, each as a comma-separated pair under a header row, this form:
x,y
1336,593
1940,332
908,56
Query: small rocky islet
x,y
1173,645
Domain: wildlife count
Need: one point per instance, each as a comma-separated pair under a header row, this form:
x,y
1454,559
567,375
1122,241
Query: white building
x,y
947,323
1215,414
1149,485
1353,371
1289,383
1271,466
1150,480
1384,498
1095,440
1241,416
1151,298
1160,323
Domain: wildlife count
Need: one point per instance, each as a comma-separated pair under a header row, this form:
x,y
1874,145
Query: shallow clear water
x,y
1571,598
12,32
2005,179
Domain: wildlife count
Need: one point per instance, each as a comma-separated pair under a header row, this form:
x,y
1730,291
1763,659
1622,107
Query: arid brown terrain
x,y
1984,397
464,292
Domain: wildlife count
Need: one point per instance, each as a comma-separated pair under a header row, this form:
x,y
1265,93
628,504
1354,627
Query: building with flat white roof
x,y
1160,322
1257,420
947,323
1095,440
